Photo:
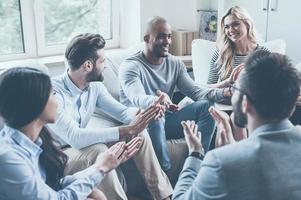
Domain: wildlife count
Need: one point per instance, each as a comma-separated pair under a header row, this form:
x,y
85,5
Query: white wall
x,y
181,14
130,23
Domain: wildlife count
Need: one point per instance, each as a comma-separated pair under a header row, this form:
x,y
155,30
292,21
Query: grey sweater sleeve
x,y
130,82
197,91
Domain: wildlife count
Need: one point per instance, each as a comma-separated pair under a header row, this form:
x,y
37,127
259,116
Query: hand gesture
x,y
140,122
192,136
167,102
118,153
224,131
158,103
236,71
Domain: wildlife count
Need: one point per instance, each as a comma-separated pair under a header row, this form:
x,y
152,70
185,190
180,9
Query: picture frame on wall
x,y
208,25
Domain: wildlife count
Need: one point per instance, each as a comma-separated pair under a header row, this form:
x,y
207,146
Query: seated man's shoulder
x,y
235,152
57,82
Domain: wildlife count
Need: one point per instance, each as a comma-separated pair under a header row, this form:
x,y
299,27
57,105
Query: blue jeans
x,y
170,128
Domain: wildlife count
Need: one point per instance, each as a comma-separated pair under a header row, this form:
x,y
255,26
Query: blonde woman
x,y
237,40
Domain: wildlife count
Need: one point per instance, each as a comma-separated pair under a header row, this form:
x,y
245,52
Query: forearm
x,y
222,84
183,188
80,184
204,92
83,137
142,101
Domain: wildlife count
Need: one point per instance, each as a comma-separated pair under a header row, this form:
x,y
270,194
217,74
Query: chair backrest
x,y
201,53
202,50
277,46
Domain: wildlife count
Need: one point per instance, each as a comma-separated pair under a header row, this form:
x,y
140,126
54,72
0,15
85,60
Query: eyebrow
x,y
236,21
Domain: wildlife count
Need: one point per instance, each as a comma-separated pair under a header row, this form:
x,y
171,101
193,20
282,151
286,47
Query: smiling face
x,y
159,40
235,29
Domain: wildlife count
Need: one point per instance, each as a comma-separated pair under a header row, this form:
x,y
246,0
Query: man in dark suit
x,y
267,164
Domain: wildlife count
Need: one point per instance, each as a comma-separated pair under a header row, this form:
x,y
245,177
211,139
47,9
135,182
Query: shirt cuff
x,y
115,134
95,175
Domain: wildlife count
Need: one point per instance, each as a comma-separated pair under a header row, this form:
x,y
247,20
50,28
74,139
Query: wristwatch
x,y
197,154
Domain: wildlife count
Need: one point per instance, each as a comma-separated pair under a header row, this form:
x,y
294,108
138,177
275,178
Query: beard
x,y
240,118
158,52
95,76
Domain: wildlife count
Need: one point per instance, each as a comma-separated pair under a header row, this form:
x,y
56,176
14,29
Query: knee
x,y
97,195
92,152
98,148
145,139
156,126
202,105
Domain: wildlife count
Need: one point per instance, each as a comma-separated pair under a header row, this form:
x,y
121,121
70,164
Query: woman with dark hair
x,y
31,165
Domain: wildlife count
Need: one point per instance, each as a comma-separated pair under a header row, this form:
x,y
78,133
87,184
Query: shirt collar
x,y
278,126
71,86
34,148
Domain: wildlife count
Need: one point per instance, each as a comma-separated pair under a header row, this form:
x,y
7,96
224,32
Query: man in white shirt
x,y
79,92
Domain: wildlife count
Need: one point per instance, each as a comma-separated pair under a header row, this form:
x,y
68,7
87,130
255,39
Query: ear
x,y
146,38
88,66
245,104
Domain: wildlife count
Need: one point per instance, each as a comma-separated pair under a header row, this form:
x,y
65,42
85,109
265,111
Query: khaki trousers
x,y
145,160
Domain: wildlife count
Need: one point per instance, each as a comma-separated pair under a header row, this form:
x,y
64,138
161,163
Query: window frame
x,y
32,17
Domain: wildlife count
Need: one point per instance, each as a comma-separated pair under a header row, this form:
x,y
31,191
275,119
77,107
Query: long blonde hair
x,y
226,46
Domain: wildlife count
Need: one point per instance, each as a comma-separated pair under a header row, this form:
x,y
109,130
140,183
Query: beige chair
x,y
201,53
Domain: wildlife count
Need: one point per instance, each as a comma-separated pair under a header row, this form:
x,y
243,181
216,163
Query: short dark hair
x,y
24,94
272,83
83,47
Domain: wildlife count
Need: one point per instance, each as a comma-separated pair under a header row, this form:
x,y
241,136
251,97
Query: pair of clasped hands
x,y
124,150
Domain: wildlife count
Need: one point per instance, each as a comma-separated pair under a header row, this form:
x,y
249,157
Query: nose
x,y
167,40
231,28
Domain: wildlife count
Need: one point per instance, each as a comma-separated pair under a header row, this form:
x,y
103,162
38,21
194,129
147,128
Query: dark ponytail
x,y
53,160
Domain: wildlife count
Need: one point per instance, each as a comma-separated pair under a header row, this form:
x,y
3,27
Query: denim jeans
x,y
170,128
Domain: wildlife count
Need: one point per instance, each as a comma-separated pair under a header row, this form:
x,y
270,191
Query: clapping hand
x,y
117,154
167,102
192,136
235,72
224,130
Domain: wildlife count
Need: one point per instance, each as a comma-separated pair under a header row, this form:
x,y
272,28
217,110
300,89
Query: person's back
x,y
267,164
264,166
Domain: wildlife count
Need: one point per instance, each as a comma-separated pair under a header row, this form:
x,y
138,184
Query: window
x,y
11,36
43,27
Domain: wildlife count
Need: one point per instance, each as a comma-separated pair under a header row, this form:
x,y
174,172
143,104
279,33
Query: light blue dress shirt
x,y
75,108
23,177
